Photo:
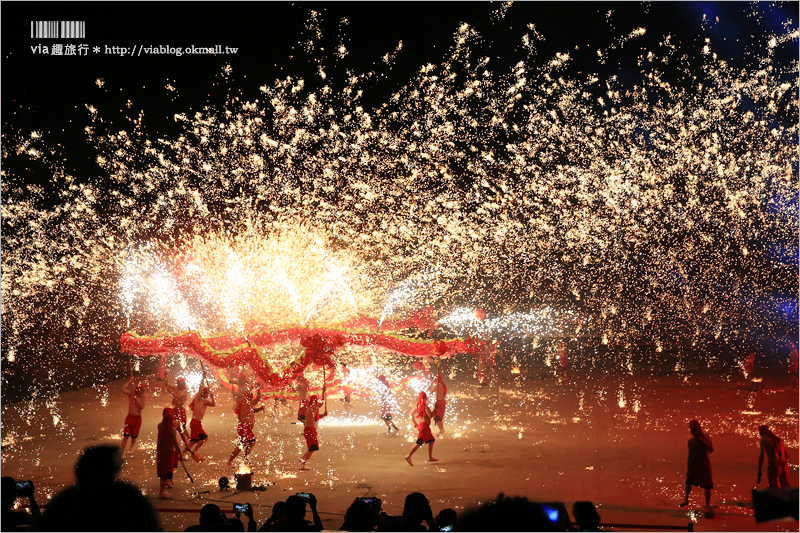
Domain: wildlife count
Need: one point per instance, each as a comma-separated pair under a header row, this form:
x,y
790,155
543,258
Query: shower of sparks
x,y
546,322
409,294
219,284
652,210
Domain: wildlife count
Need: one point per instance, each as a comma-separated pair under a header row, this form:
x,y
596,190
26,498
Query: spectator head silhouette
x,y
8,490
295,507
509,514
416,508
446,517
279,509
98,464
360,516
210,514
114,505
586,515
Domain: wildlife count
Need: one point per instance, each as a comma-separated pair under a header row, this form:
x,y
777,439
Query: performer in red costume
x,y
387,401
302,393
167,445
245,406
310,427
133,422
201,401
421,417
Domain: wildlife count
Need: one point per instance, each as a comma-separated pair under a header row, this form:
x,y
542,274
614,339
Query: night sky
x,y
50,93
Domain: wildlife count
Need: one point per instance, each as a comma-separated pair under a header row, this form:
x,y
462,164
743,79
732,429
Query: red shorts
x,y
438,411
245,432
424,435
311,439
386,410
133,424
197,431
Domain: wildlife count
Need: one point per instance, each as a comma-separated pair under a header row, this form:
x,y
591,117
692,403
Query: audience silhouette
x,y
415,510
212,519
513,514
586,515
360,516
12,520
295,515
446,519
99,501
278,512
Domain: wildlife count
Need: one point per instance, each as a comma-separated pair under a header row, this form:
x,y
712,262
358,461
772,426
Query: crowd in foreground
x,y
99,501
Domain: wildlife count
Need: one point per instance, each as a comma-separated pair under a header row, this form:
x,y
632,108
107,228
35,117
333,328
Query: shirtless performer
x,y
302,392
387,401
245,405
310,430
133,422
201,401
179,396
348,407
421,417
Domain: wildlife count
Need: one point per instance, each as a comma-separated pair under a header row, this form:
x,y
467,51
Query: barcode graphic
x,y
58,29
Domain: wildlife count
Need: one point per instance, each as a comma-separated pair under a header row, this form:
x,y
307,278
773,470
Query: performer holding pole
x,y
201,401
312,416
302,393
246,405
133,422
387,401
421,417
179,396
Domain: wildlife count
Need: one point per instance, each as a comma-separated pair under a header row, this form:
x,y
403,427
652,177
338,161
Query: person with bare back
x,y
421,417
246,405
441,403
387,401
348,406
201,401
133,422
180,394
302,393
312,416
